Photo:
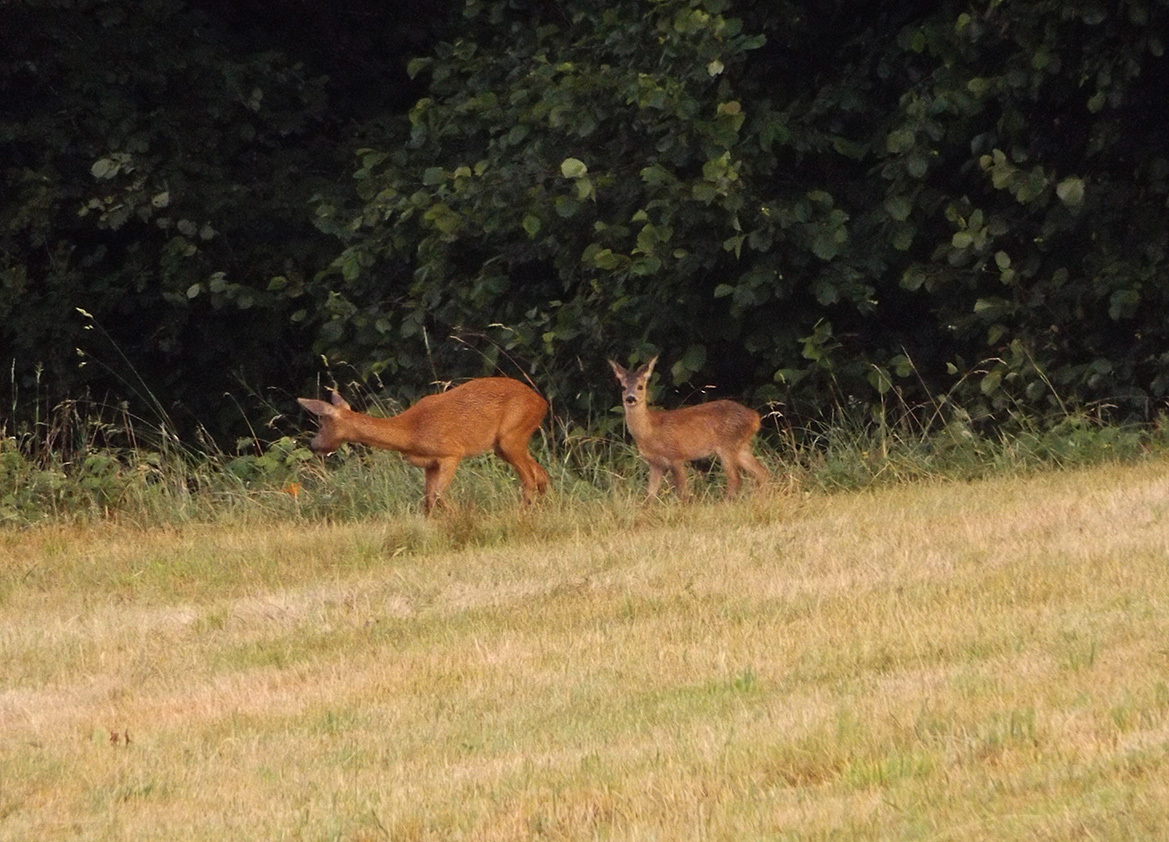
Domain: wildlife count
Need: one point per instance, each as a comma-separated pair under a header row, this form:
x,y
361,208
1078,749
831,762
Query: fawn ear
x,y
647,369
339,401
619,371
317,407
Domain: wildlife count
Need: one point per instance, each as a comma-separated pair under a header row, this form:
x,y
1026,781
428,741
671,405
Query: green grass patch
x,y
976,660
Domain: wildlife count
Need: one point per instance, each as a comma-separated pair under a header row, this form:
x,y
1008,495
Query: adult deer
x,y
668,439
439,430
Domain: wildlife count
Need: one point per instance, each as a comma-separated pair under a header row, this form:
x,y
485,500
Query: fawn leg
x,y
753,466
678,475
731,467
655,479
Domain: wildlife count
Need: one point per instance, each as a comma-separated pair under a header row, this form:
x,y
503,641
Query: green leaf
x,y
902,365
573,168
1032,187
903,236
1071,191
692,360
912,279
978,85
416,66
656,175
825,246
567,206
1093,14
105,168
900,141
898,207
880,380
991,307
433,175
917,165
704,192
584,189
532,224
1123,304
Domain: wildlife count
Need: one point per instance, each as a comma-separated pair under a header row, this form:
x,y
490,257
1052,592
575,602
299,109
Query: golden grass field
x,y
937,661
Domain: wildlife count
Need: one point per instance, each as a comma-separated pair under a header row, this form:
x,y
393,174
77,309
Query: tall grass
x,y
86,462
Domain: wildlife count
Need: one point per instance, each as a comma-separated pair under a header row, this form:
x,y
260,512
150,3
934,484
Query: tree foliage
x,y
815,203
157,161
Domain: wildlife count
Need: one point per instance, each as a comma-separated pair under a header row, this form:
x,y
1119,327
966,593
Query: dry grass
x,y
938,661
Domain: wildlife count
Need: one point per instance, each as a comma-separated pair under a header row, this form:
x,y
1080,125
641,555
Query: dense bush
x,y
815,204
823,204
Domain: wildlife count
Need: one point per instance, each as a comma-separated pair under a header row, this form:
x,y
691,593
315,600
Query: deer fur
x,y
440,430
668,439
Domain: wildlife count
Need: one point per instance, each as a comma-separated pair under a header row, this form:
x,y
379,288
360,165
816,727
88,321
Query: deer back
x,y
473,417
463,421
695,432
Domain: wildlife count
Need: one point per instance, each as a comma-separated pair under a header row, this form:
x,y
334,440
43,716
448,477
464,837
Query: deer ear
x,y
648,368
339,401
316,407
618,370
319,408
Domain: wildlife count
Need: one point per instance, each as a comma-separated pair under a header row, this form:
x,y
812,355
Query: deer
x,y
440,430
669,438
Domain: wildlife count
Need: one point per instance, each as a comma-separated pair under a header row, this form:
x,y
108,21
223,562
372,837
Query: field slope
x,y
984,660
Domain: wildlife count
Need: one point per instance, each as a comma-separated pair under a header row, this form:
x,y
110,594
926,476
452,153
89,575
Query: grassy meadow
x,y
980,658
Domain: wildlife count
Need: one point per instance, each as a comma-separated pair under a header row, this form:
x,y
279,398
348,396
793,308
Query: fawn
x,y
439,430
668,439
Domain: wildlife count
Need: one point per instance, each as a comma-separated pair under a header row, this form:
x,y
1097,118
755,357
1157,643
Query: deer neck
x,y
386,433
639,418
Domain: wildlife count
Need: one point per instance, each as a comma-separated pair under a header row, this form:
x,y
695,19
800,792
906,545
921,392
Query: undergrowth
x,y
91,463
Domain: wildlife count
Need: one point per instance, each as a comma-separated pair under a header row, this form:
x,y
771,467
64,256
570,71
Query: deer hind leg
x,y
753,466
533,477
731,468
541,477
439,474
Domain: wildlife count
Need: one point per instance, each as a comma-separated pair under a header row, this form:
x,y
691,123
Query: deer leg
x,y
533,477
731,468
753,466
439,474
655,479
678,476
540,476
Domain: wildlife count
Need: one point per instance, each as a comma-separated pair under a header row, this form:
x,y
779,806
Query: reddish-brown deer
x,y
669,438
439,430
